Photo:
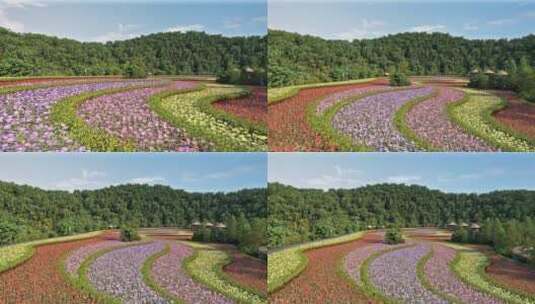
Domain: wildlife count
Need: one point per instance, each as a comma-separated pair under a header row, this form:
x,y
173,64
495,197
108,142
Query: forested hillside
x,y
170,53
298,59
30,213
297,215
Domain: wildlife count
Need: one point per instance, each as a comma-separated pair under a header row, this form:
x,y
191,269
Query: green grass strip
x,y
207,106
469,266
286,264
146,272
473,115
65,113
205,267
367,285
420,272
400,122
280,94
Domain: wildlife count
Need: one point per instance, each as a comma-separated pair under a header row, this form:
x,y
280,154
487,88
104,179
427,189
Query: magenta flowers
x,y
369,121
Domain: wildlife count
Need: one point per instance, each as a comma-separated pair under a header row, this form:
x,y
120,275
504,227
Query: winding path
x,y
370,120
429,120
127,116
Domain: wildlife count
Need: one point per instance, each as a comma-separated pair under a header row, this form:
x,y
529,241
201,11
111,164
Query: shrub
x,y
460,236
134,72
129,235
8,233
393,236
479,81
399,80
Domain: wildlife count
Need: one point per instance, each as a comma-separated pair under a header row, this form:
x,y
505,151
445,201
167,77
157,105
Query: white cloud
x,y
186,28
88,180
123,32
403,179
428,28
21,3
470,27
8,23
472,175
195,177
232,24
149,180
499,22
367,29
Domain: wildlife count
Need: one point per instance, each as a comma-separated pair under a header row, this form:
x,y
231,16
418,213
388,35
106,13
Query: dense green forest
x,y
299,215
30,213
172,53
297,59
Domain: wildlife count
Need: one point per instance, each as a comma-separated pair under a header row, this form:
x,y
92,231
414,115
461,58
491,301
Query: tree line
x,y
28,213
301,215
172,53
298,59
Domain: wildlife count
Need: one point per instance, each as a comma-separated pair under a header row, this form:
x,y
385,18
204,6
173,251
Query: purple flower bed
x,y
429,120
370,120
394,274
440,277
77,257
25,123
326,103
128,116
118,273
355,258
168,273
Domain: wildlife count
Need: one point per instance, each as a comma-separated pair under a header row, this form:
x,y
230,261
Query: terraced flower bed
x,y
289,124
40,280
184,112
25,117
518,115
428,124
474,115
252,108
370,121
247,271
128,117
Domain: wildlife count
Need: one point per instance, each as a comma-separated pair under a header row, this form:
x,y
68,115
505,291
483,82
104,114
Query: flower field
x,y
252,108
99,268
425,269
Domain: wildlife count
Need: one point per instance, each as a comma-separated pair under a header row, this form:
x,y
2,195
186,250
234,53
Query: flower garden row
x,y
415,272
123,115
98,268
375,117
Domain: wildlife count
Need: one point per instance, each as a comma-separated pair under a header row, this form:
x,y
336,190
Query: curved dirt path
x,y
320,282
118,274
429,120
168,273
370,120
127,116
288,126
252,108
39,280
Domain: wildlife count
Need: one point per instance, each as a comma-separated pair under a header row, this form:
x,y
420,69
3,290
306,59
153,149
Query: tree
x,y
393,236
8,232
129,234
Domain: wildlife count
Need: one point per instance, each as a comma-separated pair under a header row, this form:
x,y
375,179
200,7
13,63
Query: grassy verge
x,y
65,113
279,94
205,266
469,266
182,111
147,277
13,255
367,285
207,107
286,264
473,115
420,272
400,121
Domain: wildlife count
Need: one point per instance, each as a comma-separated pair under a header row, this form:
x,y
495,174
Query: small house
x,y
220,226
502,73
489,72
475,227
463,225
208,225
475,71
195,225
452,226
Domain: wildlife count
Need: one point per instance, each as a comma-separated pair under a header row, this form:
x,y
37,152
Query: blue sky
x,y
91,20
369,19
197,172
450,172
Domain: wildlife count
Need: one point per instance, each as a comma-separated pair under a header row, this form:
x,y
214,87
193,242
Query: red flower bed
x,y
512,274
39,280
320,282
247,271
252,107
288,127
518,115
